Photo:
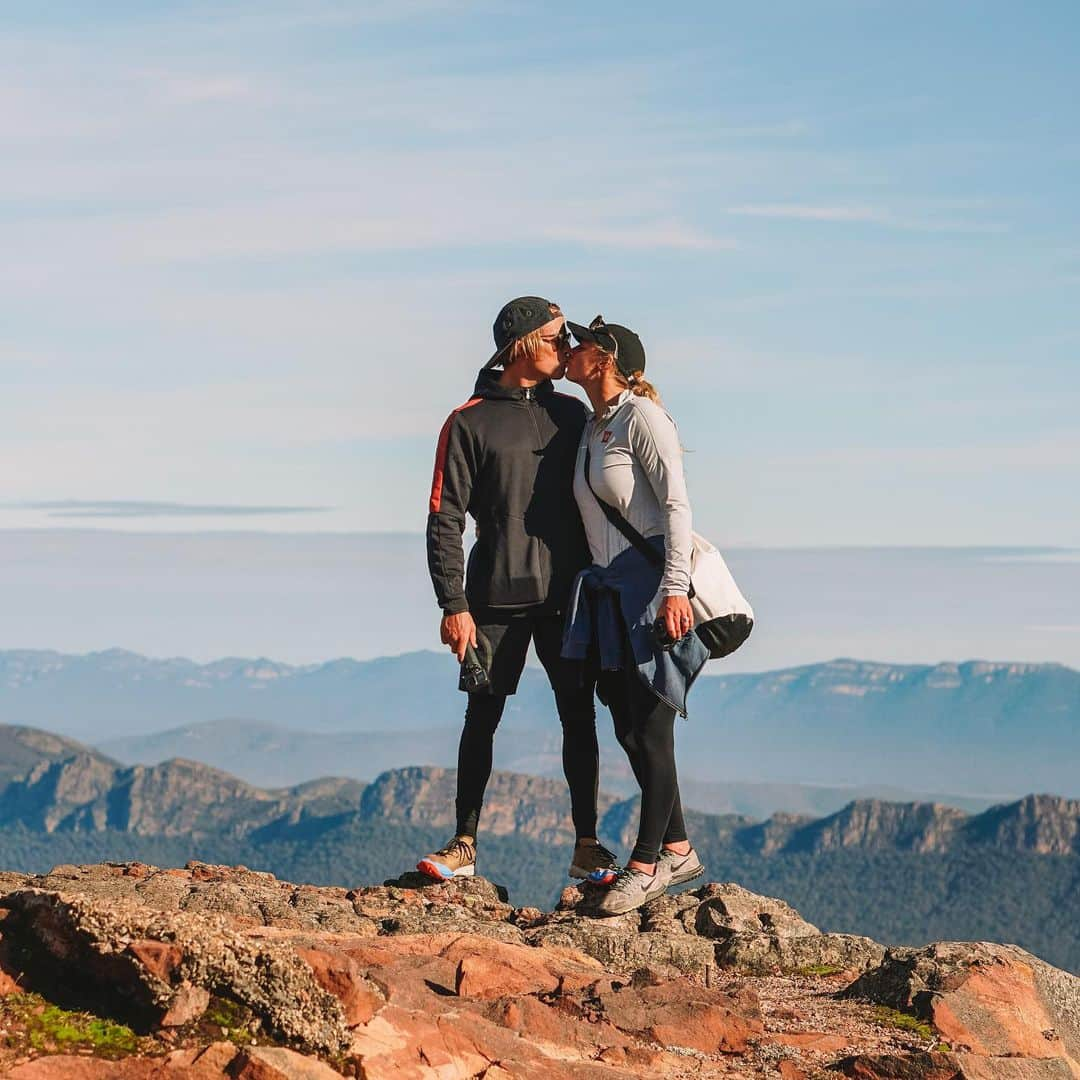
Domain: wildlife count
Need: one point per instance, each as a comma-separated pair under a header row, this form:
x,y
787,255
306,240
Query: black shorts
x,y
508,634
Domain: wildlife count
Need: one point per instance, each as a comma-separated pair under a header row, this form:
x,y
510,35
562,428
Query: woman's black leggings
x,y
645,727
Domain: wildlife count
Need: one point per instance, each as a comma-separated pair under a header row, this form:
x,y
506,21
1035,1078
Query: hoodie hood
x,y
489,387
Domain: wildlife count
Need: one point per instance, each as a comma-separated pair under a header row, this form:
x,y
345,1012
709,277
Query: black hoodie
x,y
507,458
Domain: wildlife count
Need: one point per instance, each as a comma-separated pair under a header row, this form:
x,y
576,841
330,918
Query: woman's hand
x,y
677,615
458,631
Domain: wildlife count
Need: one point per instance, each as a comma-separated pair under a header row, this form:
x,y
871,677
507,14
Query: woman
x,y
630,612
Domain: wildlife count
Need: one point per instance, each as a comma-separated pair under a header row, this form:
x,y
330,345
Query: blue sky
x,y
253,252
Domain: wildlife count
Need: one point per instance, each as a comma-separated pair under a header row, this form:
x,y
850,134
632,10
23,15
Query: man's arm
x,y
451,490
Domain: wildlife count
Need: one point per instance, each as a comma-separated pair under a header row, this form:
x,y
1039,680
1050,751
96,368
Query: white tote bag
x,y
723,617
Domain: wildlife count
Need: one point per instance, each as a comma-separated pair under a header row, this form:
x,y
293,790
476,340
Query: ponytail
x,y
639,385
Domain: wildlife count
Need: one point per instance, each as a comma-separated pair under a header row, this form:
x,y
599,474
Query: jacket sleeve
x,y
451,491
655,441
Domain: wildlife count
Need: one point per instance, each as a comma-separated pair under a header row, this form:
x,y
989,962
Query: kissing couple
x,y
552,488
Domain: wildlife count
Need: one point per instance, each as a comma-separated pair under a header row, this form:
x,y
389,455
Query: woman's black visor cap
x,y
622,343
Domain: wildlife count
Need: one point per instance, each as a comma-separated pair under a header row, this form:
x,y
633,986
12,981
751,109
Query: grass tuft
x,y
904,1021
48,1027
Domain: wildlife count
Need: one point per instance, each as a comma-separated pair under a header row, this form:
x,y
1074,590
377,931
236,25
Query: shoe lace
x,y
623,877
607,856
461,848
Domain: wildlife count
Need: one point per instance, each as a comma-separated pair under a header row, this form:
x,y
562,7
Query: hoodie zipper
x,y
528,395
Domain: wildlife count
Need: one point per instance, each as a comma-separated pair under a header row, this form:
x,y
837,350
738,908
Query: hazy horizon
x,y
308,597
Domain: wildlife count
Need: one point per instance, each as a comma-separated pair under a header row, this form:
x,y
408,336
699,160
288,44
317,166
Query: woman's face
x,y
587,362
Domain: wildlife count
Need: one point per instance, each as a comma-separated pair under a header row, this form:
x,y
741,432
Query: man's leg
x,y
482,716
508,638
507,635
577,713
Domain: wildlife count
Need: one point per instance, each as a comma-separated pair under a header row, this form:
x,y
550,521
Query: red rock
x,y
915,1066
540,1023
981,1067
202,1063
158,957
991,1000
188,1004
73,1067
680,1013
997,1010
491,969
277,1063
8,985
406,1044
417,982
789,1070
342,977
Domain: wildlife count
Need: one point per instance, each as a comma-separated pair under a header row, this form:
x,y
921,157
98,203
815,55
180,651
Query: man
x,y
507,457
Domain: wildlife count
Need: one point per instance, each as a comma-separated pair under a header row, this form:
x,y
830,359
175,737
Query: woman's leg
x,y
675,835
645,728
653,733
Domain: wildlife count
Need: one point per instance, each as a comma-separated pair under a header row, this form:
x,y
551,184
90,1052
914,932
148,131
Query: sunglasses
x,y
560,340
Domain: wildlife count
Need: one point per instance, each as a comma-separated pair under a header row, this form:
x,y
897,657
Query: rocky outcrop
x,y
514,804
413,979
88,792
1047,824
989,1000
714,927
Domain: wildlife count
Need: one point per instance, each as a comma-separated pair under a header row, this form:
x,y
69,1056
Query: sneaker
x,y
681,868
593,862
631,889
457,859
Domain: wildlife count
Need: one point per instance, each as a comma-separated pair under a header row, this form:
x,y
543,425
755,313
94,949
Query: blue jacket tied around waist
x,y
617,603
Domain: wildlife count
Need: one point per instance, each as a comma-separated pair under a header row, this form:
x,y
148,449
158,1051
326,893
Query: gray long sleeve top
x,y
637,467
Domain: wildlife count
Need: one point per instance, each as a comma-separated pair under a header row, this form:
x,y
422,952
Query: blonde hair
x,y
639,385
527,347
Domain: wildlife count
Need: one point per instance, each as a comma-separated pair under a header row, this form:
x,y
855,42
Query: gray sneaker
x,y
680,868
632,888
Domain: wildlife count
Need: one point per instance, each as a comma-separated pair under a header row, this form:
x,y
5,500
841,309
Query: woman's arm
x,y
655,441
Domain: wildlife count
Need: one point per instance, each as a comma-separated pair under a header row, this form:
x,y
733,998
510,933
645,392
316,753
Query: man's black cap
x,y
622,343
518,318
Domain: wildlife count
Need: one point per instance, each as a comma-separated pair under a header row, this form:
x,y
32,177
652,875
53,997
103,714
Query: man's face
x,y
554,349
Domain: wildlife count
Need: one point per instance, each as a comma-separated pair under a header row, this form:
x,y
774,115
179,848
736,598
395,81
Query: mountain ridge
x,y
88,791
969,728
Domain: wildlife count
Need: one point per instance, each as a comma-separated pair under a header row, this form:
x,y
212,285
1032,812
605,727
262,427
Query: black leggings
x,y
645,727
581,759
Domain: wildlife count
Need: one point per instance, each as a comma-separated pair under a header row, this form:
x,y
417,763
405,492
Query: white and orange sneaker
x,y
457,859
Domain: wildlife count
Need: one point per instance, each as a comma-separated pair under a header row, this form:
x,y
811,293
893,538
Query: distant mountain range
x,y
898,871
977,732
268,755
52,784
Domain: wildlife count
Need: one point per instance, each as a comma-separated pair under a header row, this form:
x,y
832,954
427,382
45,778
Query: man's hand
x,y
677,615
458,631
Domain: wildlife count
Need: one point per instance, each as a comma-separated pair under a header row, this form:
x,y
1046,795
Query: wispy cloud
x,y
861,214
79,508
809,213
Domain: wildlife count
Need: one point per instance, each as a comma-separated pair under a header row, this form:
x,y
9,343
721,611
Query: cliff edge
x,y
127,970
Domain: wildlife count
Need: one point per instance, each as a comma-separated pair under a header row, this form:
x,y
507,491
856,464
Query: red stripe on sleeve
x,y
440,456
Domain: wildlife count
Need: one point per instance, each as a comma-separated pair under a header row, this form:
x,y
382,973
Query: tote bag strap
x,y
632,535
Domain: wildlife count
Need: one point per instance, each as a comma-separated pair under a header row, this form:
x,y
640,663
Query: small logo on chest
x,y
606,437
